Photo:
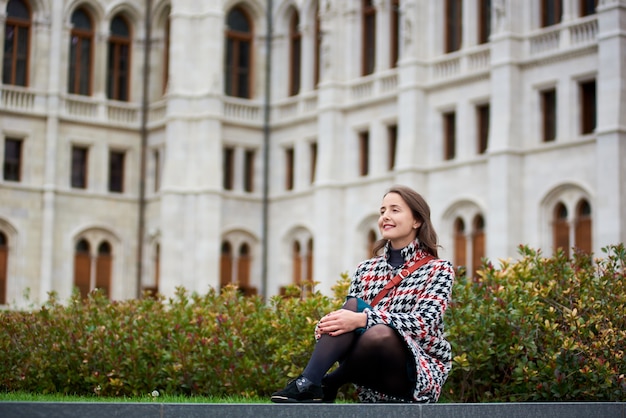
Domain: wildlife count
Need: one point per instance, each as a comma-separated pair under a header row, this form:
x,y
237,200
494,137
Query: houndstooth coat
x,y
415,309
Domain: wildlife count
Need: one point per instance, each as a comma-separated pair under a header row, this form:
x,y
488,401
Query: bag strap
x,y
405,272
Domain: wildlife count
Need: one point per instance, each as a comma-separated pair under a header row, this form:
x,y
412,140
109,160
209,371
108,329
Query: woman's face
x,y
396,222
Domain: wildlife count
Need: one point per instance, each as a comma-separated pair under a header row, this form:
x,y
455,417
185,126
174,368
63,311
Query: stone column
x,y
192,177
504,166
52,130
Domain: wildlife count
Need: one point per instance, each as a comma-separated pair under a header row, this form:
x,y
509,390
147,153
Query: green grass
x,y
35,397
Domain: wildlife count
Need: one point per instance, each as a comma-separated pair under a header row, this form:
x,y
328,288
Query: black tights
x,y
376,359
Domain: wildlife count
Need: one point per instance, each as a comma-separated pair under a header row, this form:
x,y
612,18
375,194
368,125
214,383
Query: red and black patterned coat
x,y
415,309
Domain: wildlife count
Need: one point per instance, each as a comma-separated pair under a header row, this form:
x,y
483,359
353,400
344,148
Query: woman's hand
x,y
339,322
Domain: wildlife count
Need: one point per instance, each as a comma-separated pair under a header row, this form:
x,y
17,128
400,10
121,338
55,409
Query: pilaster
x,y
609,216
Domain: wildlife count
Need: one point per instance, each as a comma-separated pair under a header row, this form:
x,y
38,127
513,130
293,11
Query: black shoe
x,y
330,391
299,390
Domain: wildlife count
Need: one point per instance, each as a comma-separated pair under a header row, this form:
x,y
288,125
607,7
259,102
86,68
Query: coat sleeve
x,y
417,311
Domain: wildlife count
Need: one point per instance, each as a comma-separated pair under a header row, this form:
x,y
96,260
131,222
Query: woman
x,y
392,348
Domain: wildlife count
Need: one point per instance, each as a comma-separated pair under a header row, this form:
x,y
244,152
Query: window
x,y
478,243
394,48
229,168
156,157
364,153
588,7
4,261
449,135
371,242
295,40
78,179
116,171
12,167
454,23
243,271
289,166
104,262
81,47
248,174
548,109
226,264
588,108
317,39
309,262
313,151
118,63
83,278
582,232
551,12
484,21
482,127
460,245
368,38
16,43
238,65
561,229
82,267
296,258
392,143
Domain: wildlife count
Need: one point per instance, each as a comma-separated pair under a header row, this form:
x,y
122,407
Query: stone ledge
x,y
452,410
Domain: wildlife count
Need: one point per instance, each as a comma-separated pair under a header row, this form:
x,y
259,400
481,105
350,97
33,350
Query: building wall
x,y
515,185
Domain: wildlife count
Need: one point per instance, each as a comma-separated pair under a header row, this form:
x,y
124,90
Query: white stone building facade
x,y
162,143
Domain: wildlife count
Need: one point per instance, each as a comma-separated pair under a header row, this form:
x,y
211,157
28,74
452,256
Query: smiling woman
x,y
388,337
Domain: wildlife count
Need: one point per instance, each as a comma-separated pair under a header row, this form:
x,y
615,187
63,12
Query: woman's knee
x,y
379,336
351,305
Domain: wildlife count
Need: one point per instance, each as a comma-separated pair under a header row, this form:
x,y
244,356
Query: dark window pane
x,y
119,27
588,7
588,106
548,99
79,168
238,21
116,171
12,159
18,9
81,20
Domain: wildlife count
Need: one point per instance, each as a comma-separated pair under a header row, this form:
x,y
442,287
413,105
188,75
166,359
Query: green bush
x,y
535,329
215,344
540,329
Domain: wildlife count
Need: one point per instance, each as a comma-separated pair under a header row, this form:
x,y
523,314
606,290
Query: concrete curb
x,y
164,410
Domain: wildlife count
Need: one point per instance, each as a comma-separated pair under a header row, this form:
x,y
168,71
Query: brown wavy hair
x,y
421,211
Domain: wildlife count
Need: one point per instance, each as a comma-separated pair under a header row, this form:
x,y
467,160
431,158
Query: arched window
x,y
371,241
582,233
368,38
453,11
561,229
118,63
238,65
243,270
295,51
317,47
82,267
104,263
4,261
156,265
394,34
460,243
309,261
296,257
81,53
478,243
226,264
16,43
